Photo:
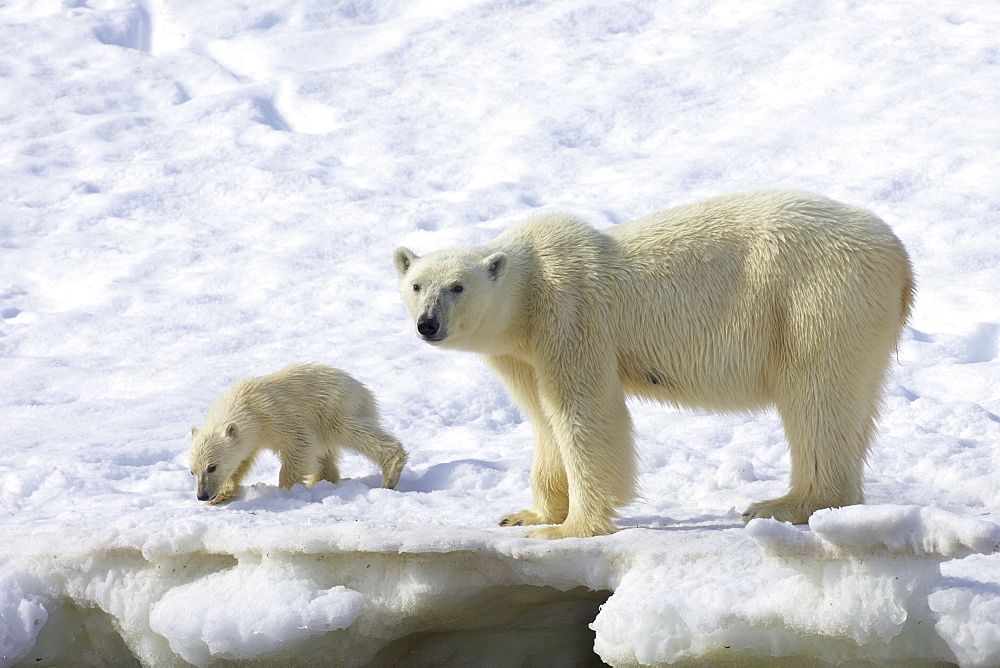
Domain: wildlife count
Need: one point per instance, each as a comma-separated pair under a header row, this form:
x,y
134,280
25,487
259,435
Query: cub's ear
x,y
403,258
496,265
231,430
194,431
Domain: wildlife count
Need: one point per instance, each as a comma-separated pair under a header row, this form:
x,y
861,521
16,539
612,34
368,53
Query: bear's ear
x,y
194,431
231,430
496,265
403,258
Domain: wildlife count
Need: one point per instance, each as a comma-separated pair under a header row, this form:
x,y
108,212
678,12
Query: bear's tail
x,y
909,293
906,303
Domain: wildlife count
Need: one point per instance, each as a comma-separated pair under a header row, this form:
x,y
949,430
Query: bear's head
x,y
212,459
455,296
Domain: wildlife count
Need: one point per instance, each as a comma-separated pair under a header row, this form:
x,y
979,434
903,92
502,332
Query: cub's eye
x,y
458,287
211,469
416,287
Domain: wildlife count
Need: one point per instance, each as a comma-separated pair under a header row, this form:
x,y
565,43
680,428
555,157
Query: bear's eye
x,y
458,287
416,287
211,469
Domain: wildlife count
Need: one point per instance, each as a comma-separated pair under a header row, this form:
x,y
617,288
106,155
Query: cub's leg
x,y
298,460
371,441
328,469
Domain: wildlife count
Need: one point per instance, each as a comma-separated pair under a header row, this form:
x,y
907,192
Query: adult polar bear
x,y
732,304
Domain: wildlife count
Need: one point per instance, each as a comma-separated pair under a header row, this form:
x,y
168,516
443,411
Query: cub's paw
x,y
392,470
225,494
521,518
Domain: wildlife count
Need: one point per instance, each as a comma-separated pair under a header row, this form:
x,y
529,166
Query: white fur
x,y
733,304
305,413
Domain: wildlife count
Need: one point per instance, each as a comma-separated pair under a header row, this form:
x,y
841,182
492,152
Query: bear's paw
x,y
521,518
784,509
567,530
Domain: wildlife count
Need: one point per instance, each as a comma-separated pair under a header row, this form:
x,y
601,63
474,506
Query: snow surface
x,y
193,195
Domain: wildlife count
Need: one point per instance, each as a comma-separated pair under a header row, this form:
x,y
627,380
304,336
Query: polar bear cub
x,y
744,301
306,414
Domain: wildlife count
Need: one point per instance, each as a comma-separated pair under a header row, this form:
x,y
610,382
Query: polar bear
x,y
305,413
740,302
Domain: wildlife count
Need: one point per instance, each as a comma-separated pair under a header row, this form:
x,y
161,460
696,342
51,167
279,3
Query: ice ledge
x,y
884,530
861,583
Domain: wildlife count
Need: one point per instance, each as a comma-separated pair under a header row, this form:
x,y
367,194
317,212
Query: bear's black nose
x,y
428,326
202,496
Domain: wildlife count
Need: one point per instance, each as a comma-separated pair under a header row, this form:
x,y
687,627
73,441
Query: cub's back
x,y
322,395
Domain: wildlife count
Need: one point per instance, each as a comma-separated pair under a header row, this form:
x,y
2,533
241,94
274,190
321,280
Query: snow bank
x,y
869,584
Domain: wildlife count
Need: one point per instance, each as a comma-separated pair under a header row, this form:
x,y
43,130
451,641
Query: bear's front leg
x,y
592,427
549,488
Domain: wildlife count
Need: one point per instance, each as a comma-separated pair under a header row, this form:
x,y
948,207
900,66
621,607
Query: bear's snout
x,y
429,327
202,496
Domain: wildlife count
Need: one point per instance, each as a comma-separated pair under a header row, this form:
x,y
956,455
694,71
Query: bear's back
x,y
773,215
762,240
730,290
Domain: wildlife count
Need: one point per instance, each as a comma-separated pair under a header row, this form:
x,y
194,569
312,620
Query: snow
x,y
190,197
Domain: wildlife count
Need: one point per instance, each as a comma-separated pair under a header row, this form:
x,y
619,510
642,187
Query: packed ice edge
x,y
857,584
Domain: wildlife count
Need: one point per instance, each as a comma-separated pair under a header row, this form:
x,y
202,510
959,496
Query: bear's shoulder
x,y
552,237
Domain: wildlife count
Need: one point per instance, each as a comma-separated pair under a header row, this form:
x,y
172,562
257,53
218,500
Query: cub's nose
x,y
203,497
428,326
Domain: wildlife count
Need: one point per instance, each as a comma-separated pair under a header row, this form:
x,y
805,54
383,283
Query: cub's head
x,y
211,460
453,295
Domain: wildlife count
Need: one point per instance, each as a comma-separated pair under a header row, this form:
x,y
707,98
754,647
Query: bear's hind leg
x,y
829,423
